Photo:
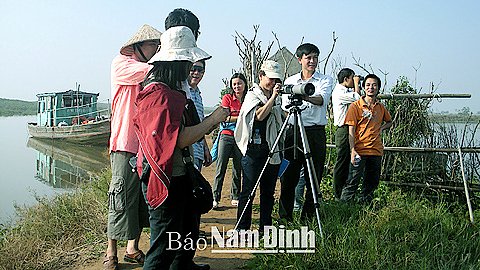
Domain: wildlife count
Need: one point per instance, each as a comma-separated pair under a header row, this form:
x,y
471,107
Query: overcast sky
x,y
51,45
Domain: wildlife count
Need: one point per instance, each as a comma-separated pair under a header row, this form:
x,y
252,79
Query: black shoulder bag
x,y
202,190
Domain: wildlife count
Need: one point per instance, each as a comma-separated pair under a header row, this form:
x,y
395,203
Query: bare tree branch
x,y
330,53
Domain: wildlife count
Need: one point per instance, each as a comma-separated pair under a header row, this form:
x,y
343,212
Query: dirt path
x,y
224,215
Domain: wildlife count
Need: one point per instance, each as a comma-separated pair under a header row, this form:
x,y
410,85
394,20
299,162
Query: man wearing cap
x,y
314,118
127,211
258,125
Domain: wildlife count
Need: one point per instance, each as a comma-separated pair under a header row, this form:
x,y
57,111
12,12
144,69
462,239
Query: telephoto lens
x,y
299,89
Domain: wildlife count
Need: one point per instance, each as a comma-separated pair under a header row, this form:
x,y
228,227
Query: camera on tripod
x,y
305,89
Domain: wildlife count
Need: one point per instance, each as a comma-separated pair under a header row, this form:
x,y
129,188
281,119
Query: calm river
x,y
42,168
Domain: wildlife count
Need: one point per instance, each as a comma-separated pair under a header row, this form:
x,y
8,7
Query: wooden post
x,y
467,195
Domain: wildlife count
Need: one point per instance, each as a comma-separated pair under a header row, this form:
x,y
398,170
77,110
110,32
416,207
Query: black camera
x,y
305,89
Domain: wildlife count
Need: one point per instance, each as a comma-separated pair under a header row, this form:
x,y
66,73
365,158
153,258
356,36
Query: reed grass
x,y
57,232
398,231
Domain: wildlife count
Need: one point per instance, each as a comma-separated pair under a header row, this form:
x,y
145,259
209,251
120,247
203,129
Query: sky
x,y
50,46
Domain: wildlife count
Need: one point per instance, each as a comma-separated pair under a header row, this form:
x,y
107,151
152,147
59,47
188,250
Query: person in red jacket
x,y
164,127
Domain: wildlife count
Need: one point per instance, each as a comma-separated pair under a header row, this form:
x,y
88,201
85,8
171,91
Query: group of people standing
x,y
157,117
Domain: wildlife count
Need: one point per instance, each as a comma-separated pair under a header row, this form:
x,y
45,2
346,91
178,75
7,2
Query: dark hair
x,y
344,73
241,77
183,17
306,48
261,73
171,73
372,76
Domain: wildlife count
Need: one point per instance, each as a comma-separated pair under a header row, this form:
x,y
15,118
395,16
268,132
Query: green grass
x,y
58,231
397,232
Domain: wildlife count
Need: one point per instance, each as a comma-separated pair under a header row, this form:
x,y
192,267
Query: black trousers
x,y
289,180
340,172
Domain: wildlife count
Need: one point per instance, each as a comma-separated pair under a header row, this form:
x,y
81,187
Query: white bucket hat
x,y
178,44
272,69
145,33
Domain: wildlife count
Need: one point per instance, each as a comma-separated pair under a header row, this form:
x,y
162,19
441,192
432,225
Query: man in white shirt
x,y
314,118
342,97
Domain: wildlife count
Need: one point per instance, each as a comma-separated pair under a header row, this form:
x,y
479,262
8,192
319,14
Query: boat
x,y
74,116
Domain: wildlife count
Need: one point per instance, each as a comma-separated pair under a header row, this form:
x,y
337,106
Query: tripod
x,y
295,112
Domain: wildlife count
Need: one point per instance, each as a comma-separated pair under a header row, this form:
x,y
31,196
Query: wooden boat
x,y
72,116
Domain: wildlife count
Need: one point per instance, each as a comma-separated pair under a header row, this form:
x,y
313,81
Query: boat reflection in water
x,y
65,165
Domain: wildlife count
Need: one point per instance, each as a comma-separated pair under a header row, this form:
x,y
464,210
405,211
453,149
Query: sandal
x,y
235,202
110,263
137,257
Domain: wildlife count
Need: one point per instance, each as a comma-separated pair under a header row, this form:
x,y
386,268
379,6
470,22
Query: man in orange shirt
x,y
364,119
127,210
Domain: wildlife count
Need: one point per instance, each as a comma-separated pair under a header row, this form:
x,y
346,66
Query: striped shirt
x,y
196,97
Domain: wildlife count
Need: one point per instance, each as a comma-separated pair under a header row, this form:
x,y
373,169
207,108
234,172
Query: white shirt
x,y
342,97
313,114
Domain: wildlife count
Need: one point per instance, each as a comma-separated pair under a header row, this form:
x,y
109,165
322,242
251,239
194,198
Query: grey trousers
x,y
226,148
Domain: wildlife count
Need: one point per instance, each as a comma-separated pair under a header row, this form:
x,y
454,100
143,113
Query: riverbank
x,y
400,231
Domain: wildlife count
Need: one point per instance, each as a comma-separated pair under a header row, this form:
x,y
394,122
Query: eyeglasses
x,y
199,69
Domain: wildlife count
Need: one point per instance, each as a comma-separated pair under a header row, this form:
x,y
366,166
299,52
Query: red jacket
x,y
157,124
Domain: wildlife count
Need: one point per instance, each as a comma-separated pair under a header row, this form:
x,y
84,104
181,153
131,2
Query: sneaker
x,y
234,202
215,204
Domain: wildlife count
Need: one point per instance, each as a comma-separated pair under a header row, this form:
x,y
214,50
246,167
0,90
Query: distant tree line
x,y
11,107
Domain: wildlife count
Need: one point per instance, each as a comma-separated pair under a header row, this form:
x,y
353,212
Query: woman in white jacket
x,y
258,126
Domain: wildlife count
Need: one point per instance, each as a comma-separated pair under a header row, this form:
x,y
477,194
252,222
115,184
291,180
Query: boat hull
x,y
95,133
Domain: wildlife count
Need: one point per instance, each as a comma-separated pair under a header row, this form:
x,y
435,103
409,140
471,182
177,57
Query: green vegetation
x,y
398,231
53,234
11,107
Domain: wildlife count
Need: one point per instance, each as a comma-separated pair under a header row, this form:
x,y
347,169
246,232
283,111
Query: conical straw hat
x,y
145,33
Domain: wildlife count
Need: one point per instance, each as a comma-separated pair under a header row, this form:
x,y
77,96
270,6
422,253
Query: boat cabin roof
x,y
68,92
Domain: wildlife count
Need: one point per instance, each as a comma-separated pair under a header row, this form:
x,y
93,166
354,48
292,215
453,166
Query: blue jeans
x,y
252,165
299,191
369,167
175,216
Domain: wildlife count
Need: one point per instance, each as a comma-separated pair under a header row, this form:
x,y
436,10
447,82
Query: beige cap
x,y
272,69
145,33
178,44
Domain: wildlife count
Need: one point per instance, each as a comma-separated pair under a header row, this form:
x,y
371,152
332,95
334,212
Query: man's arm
x,y
323,94
317,100
351,141
192,134
207,158
385,125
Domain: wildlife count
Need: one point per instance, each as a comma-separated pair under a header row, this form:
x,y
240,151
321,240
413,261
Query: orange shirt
x,y
367,122
127,75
